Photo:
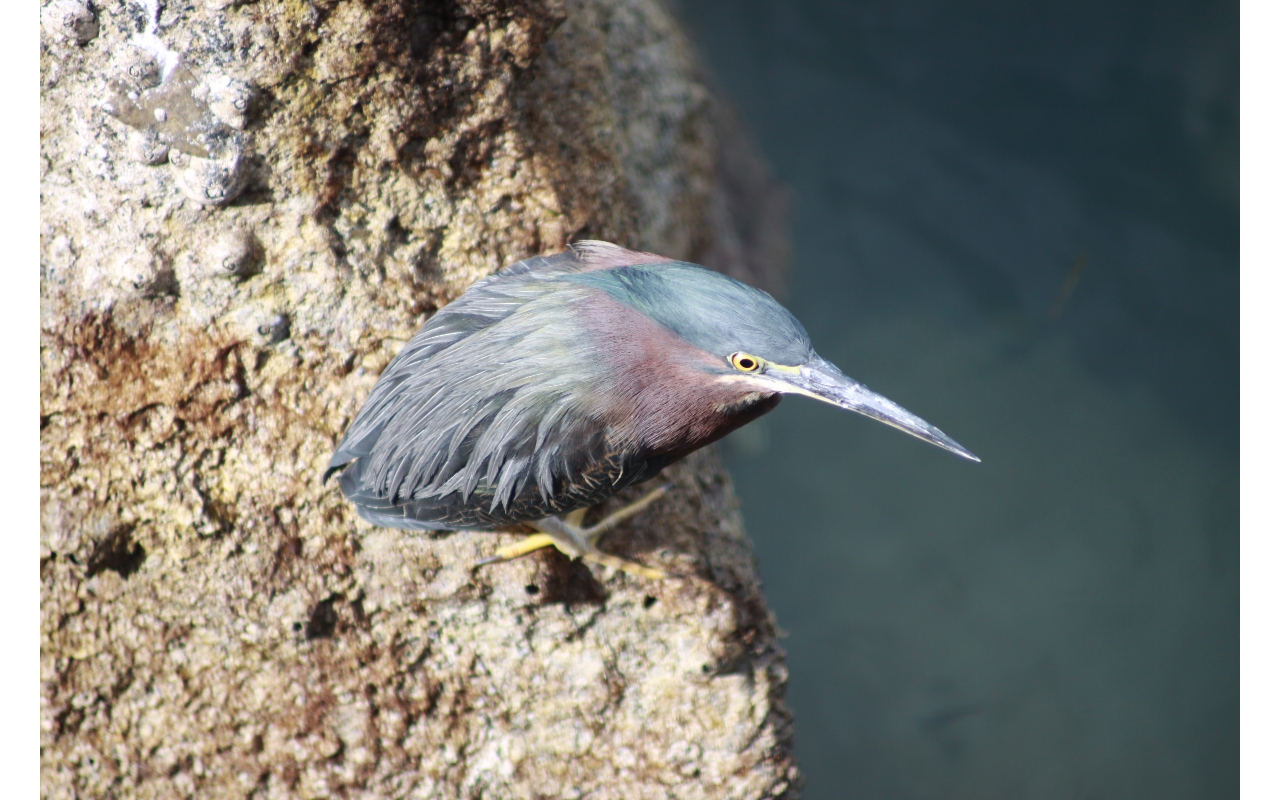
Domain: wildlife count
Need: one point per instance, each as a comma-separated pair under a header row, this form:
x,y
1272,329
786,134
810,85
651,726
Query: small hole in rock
x,y
649,600
324,619
531,589
118,553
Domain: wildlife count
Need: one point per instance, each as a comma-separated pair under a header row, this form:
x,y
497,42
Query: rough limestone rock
x,y
246,208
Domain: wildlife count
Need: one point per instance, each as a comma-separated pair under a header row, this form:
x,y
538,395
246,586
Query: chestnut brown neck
x,y
664,392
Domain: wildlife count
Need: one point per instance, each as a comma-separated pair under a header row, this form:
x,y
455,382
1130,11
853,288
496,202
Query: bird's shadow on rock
x,y
565,581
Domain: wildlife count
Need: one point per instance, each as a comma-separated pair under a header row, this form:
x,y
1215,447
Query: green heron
x,y
553,384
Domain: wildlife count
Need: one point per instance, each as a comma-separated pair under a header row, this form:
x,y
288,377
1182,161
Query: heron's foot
x,y
632,567
569,537
540,540
570,532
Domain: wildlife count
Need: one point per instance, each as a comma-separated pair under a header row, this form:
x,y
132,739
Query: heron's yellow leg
x,y
590,536
621,515
521,548
568,536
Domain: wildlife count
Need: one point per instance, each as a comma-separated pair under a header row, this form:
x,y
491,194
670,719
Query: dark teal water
x,y
1060,621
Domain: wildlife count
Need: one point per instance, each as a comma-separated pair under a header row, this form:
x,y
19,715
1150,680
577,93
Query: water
x,y
1019,222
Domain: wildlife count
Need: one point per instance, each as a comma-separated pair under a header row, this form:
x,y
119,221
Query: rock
x,y
215,621
70,21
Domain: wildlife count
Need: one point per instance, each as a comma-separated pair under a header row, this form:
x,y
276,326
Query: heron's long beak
x,y
824,381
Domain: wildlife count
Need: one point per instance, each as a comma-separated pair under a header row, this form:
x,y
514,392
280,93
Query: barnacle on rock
x,y
211,181
260,322
233,253
141,67
146,146
137,273
192,121
228,98
72,21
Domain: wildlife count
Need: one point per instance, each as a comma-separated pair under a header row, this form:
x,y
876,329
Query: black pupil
x,y
747,363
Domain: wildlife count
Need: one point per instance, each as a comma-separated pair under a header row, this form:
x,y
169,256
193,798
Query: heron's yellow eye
x,y
746,363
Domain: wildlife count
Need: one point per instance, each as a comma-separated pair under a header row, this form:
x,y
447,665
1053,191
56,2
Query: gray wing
x,y
470,426
485,302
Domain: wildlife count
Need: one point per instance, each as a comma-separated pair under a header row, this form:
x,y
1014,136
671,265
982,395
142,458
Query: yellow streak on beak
x,y
763,383
784,368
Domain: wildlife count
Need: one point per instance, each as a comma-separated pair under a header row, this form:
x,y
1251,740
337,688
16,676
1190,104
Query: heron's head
x,y
757,344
